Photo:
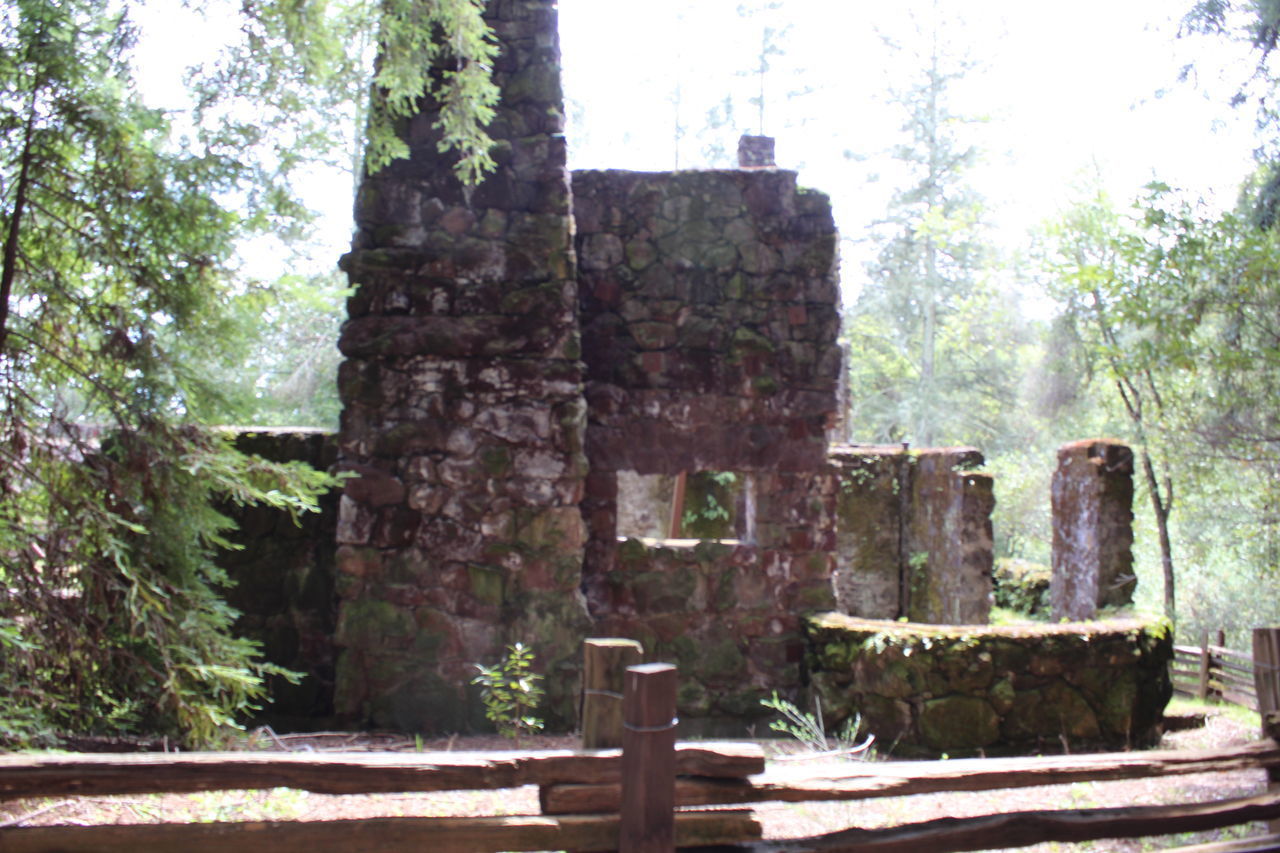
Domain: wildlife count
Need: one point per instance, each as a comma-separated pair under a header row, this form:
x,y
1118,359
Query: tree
x,y
117,290
1183,306
926,293
113,281
1105,268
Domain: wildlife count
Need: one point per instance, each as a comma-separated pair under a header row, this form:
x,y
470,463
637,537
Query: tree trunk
x,y
1161,506
9,264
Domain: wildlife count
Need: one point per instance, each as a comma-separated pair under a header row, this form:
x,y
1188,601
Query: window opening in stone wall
x,y
706,505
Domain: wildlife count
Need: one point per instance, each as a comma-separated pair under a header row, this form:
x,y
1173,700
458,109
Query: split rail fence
x,y
1212,671
650,795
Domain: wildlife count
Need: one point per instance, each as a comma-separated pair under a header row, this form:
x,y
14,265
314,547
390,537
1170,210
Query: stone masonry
x,y
979,690
1092,529
710,312
463,412
283,574
914,534
511,349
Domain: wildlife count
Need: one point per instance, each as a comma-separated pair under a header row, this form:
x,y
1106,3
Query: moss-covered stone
x,y
959,722
1096,685
486,584
367,623
1049,714
1001,696
720,662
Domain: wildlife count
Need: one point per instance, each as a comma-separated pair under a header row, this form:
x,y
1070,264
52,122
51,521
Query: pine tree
x,y
926,278
113,284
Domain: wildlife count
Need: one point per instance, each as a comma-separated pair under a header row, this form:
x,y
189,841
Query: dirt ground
x,y
779,820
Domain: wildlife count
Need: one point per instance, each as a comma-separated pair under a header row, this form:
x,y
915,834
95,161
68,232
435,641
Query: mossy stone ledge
x,y
994,690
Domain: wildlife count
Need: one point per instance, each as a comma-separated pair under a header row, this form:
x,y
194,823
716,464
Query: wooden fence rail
x,y
58,775
1211,671
586,794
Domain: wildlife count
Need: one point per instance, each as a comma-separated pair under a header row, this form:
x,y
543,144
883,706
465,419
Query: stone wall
x,y
728,613
925,690
502,372
710,312
914,534
283,576
1092,500
463,411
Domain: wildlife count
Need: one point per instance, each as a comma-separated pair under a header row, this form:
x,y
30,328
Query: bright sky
x,y
1069,90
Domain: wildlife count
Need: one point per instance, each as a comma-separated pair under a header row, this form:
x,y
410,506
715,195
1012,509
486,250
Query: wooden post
x,y
1266,680
604,666
1202,692
647,821
675,527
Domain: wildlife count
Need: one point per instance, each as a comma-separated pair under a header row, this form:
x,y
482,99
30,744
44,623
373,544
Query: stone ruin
x,y
1092,500
513,351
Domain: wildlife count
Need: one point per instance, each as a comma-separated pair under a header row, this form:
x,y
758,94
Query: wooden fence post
x,y
1266,681
647,820
604,666
676,523
1202,692
1266,677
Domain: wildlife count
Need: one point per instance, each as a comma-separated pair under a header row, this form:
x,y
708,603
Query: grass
x,y
1239,715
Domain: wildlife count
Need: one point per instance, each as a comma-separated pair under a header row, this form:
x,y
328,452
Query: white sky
x,y
1069,89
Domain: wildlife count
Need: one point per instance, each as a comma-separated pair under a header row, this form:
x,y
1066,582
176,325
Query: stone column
x,y
914,534
948,549
1092,529
463,412
872,497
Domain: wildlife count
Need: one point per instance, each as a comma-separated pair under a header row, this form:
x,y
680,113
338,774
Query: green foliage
x,y
288,356
113,288
1178,308
809,729
313,60
511,692
709,501
1022,587
936,347
443,48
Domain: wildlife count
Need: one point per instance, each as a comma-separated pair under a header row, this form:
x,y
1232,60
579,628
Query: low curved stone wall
x,y
976,689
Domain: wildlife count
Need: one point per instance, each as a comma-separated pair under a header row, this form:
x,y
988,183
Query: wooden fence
x,y
1212,671
651,795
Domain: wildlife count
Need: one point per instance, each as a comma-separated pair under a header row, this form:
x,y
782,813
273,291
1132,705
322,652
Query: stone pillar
x,y
872,497
755,152
1092,529
914,534
463,412
948,545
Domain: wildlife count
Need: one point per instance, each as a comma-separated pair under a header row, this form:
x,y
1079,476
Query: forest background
x,y
1055,227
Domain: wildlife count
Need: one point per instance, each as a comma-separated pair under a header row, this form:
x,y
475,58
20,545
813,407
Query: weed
x,y
810,730
511,692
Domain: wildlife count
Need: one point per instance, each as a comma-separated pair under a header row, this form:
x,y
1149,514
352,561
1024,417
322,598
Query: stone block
x,y
1092,502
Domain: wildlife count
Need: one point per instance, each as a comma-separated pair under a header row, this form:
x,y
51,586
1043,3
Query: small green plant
x,y
708,512
810,730
511,691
